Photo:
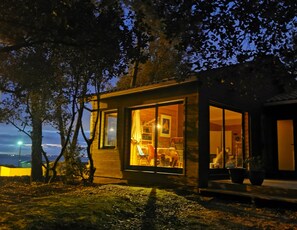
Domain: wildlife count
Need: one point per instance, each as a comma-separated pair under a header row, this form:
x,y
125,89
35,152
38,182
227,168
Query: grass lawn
x,y
59,206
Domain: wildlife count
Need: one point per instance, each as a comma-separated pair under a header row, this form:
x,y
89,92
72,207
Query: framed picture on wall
x,y
165,129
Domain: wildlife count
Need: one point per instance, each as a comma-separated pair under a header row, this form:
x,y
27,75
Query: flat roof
x,y
283,99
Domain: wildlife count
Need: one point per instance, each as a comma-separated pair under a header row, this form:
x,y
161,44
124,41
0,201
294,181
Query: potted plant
x,y
237,174
255,169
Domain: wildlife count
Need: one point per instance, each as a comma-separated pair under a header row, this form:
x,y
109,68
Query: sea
x,y
24,161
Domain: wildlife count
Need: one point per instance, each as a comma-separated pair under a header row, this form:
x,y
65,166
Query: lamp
x,y
20,143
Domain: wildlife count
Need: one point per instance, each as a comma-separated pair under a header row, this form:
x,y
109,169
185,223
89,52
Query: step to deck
x,y
281,191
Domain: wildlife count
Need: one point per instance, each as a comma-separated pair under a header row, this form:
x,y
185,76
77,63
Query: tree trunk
x,y
61,125
137,61
36,155
135,72
92,167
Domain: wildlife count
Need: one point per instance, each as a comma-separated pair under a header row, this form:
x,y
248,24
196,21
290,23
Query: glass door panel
x,y
285,141
142,136
233,142
216,137
169,151
226,132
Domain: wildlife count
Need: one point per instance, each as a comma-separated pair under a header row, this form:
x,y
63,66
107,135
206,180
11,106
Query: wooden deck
x,y
271,190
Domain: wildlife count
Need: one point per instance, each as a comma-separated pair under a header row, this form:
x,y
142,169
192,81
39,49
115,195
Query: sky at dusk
x,y
9,137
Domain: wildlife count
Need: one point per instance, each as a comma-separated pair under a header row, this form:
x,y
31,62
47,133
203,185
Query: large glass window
x,y
157,136
226,134
110,129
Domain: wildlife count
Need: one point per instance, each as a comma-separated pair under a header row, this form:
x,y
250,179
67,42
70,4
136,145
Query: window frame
x,y
155,168
243,128
102,128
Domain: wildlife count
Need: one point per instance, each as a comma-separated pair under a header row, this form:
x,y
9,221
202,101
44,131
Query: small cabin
x,y
186,132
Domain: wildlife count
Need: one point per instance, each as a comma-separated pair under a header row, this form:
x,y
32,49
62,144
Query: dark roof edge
x,y
140,89
285,102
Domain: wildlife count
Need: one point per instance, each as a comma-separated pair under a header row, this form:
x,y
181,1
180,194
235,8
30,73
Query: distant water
x,y
25,160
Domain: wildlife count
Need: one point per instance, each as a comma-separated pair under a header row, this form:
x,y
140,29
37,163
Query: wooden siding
x,y
246,135
192,155
107,163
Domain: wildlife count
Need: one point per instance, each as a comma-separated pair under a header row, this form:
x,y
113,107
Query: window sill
x,y
156,170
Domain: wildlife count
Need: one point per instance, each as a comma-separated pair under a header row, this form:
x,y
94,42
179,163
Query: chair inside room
x,y
142,157
178,144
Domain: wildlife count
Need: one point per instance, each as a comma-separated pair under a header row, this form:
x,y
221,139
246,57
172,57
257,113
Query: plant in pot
x,y
237,174
255,170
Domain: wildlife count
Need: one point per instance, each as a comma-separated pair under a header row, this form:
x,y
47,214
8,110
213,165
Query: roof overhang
x,y
286,102
146,88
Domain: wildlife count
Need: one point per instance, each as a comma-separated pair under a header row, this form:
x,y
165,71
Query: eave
x,y
287,102
146,88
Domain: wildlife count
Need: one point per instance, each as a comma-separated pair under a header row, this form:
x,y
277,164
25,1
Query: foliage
x,y
216,33
255,163
158,57
82,42
230,164
29,78
191,36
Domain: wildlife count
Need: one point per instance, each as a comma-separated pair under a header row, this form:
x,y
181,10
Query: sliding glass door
x,y
157,136
226,135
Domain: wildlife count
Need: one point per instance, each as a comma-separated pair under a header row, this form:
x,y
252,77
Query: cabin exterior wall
x,y
114,162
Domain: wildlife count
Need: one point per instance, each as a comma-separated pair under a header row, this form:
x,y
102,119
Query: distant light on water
x,y
20,143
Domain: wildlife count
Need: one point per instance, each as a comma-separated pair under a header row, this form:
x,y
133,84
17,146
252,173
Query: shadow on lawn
x,y
149,217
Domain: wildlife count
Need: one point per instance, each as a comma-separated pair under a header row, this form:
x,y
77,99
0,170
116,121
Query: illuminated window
x,y
110,129
226,137
157,136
